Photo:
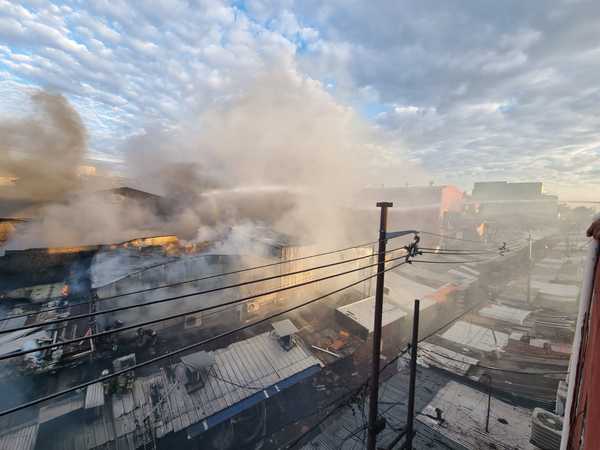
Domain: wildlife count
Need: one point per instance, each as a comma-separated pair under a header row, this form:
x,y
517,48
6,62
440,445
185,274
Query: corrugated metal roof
x,y
434,355
21,438
94,395
566,291
475,336
463,410
14,342
59,408
241,370
363,312
505,314
404,291
13,323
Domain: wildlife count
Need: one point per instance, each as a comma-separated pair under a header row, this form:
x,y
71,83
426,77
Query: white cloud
x,y
472,90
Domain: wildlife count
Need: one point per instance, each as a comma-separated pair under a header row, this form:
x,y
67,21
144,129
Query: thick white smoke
x,y
283,153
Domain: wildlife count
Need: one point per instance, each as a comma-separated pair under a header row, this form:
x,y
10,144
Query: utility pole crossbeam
x,y
374,391
410,416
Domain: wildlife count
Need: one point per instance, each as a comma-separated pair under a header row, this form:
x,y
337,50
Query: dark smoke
x,y
45,150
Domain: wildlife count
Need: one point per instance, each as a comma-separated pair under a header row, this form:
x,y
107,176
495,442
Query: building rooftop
x,y
363,312
243,374
463,410
474,336
19,438
505,314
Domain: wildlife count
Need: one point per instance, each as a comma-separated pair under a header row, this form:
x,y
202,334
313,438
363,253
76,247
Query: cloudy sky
x,y
469,90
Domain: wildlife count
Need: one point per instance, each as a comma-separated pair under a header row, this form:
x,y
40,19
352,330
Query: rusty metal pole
x,y
410,416
374,392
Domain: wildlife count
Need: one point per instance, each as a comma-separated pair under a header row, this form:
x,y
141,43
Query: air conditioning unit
x,y
546,429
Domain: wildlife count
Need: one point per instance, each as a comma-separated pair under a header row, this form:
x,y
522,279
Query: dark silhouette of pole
x,y
529,264
410,416
487,418
374,392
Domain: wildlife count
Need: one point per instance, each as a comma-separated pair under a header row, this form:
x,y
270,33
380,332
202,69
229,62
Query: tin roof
x,y
243,374
60,407
94,395
441,357
463,410
475,336
21,438
363,312
404,291
505,314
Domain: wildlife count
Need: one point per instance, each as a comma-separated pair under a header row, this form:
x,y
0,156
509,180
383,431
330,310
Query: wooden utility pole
x,y
374,385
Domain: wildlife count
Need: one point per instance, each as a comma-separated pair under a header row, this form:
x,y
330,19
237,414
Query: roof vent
x,y
285,330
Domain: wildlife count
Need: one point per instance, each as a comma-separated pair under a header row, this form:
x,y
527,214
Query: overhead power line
x,y
498,369
488,243
186,313
393,360
461,251
353,393
443,253
207,277
451,262
187,295
456,239
185,348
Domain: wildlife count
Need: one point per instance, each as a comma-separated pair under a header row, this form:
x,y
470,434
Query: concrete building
x,y
507,202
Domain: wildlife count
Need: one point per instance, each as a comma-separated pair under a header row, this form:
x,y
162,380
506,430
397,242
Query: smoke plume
x,y
283,153
44,151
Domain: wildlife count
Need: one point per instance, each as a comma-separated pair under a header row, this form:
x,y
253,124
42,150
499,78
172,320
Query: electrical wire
x,y
452,262
455,238
392,361
469,251
291,422
182,296
499,369
233,383
187,347
442,253
354,393
186,313
207,277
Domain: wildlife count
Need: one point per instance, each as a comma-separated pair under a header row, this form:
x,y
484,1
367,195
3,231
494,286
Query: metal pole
x,y
529,263
487,418
374,393
410,417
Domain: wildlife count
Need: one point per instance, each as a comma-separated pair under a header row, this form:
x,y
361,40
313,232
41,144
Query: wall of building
x,y
585,411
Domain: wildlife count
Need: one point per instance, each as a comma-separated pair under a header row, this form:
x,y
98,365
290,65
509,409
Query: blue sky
x,y
470,91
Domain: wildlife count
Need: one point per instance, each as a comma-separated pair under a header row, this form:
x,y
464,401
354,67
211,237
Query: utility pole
x,y
529,263
374,393
410,417
487,418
